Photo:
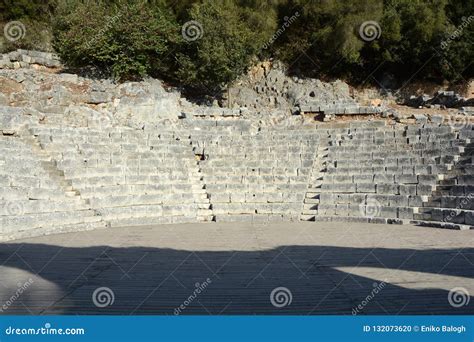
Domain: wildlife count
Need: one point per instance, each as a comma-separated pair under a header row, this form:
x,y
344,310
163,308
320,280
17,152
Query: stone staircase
x,y
205,213
49,165
61,179
34,198
385,174
312,197
451,205
255,177
129,177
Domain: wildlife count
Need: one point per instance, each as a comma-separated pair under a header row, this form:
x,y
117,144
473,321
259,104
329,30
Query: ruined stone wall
x,y
80,153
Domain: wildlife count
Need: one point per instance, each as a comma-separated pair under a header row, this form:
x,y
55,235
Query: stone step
x,y
420,169
72,193
381,188
376,220
312,195
204,212
22,207
32,193
382,178
309,212
127,200
145,221
206,218
456,202
454,190
444,225
339,163
449,215
366,210
465,179
310,206
307,217
57,229
10,224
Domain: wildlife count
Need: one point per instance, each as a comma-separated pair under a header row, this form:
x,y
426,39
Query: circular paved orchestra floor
x,y
241,268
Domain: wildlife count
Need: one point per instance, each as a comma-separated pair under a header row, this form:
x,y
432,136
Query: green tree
x,y
225,47
132,38
35,17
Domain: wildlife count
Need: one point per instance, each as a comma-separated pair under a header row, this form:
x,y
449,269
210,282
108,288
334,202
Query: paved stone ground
x,y
326,268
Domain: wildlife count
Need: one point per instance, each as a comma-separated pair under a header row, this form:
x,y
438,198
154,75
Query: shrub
x,y
35,18
225,48
130,39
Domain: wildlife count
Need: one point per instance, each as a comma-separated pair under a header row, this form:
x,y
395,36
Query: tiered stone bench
x,y
451,205
129,177
33,201
67,178
260,176
385,174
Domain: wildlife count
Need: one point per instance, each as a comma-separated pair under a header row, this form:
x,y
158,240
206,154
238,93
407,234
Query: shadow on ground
x,y
322,280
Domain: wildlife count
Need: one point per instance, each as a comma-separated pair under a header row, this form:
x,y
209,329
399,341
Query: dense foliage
x,y
132,39
204,44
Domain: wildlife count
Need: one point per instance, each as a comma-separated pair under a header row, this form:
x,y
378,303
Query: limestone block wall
x,y
28,58
387,174
129,177
452,203
256,177
57,179
32,200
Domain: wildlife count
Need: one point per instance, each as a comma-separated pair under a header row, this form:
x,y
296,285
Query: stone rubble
x,y
442,99
28,58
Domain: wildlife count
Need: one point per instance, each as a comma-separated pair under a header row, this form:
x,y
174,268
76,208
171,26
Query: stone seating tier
x,y
58,179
